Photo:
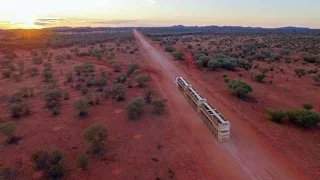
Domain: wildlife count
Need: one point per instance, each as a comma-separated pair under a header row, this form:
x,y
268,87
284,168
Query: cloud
x,y
49,21
152,1
114,22
53,22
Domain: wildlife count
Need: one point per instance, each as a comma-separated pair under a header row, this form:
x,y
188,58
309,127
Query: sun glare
x,y
24,21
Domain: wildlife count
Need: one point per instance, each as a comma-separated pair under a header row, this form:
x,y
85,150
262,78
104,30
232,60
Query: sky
x,y
106,13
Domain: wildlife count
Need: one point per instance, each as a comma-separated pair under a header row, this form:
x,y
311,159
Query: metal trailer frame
x,y
212,118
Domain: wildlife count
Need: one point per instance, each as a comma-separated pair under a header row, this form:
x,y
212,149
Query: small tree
x,y
142,79
82,161
47,75
178,55
19,109
52,97
307,106
118,91
81,105
276,115
158,106
135,108
96,135
240,88
8,129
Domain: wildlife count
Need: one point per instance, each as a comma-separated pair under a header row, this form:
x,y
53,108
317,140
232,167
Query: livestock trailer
x,y
212,118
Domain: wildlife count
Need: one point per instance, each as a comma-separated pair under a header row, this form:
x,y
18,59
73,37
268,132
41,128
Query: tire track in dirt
x,y
242,149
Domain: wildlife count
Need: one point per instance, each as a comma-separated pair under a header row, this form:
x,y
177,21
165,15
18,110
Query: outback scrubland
x,y
91,103
73,103
268,77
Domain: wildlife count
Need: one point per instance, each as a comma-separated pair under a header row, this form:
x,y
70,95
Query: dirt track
x,y
243,157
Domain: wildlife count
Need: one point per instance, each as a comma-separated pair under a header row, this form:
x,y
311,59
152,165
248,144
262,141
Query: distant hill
x,y
294,28
239,27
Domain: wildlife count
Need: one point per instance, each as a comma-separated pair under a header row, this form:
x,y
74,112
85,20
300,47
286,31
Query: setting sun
x,y
24,20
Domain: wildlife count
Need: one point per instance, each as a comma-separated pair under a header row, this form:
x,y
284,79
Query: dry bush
x,y
135,108
82,106
96,135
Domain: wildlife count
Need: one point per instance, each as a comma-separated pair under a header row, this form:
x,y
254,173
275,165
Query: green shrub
x,y
199,63
240,88
158,106
82,161
276,115
96,135
99,83
6,73
52,163
120,78
131,68
19,109
52,97
81,105
116,66
136,72
169,49
12,67
300,72
33,71
8,129
37,60
178,55
118,91
6,173
47,75
65,95
16,77
16,97
142,79
135,108
307,106
40,159
69,77
26,92
303,117
214,64
259,78
244,64
84,90
205,59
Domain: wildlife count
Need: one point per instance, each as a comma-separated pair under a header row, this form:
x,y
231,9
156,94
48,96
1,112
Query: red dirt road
x,y
242,157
